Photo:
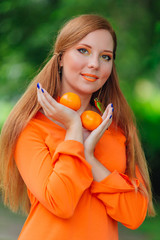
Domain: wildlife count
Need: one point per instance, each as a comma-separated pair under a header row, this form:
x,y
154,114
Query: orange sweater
x,y
66,203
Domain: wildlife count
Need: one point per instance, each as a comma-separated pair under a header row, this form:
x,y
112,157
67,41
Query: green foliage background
x,y
27,32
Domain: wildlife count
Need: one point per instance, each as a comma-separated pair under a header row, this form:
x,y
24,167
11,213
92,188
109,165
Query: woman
x,y
74,183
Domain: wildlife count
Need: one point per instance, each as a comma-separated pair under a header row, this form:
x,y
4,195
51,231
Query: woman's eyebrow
x,y
91,47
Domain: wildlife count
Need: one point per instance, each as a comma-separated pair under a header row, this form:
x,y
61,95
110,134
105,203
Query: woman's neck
x,y
85,104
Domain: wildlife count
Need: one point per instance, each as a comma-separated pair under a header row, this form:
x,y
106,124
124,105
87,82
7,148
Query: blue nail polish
x,y
111,104
42,90
110,117
112,109
38,86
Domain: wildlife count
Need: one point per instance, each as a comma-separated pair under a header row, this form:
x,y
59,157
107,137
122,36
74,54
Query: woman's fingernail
x,y
112,109
42,90
38,86
111,104
110,117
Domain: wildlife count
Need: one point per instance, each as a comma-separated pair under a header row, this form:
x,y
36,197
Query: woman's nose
x,y
93,62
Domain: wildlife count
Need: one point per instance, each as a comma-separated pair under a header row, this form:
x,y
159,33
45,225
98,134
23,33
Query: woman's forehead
x,y
99,38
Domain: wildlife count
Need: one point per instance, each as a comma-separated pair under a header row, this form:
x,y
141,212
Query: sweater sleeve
x,y
124,201
57,181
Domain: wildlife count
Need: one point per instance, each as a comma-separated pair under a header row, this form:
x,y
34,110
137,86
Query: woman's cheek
x,y
78,63
106,73
108,70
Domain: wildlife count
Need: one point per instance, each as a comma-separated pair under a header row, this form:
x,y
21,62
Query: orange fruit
x,y
90,120
71,100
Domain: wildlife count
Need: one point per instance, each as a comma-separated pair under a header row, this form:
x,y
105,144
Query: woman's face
x,y
88,64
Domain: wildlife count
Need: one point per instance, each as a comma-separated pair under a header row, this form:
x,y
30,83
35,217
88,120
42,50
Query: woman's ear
x,y
61,61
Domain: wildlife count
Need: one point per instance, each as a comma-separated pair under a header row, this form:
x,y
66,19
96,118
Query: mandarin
x,y
90,120
71,100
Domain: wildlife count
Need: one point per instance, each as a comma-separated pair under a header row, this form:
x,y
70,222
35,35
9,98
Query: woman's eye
x,y
83,51
106,57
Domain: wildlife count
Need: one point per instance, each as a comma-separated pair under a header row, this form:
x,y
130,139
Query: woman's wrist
x,y
89,152
99,171
74,131
72,122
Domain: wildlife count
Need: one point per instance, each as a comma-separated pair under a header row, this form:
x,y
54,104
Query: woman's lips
x,y
89,77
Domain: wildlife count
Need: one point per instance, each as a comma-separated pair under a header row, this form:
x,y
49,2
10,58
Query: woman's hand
x,y
93,138
64,115
55,110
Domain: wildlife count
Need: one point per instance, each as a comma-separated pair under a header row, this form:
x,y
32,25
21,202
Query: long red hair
x,y
13,188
